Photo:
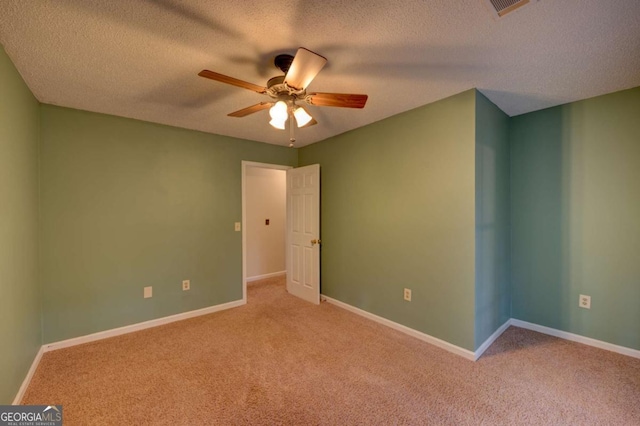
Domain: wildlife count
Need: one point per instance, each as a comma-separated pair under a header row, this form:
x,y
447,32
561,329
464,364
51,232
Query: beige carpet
x,y
279,360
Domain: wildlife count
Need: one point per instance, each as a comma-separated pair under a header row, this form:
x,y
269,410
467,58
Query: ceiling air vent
x,y
502,7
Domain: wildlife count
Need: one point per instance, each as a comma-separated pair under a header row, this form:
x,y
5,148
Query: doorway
x,y
263,222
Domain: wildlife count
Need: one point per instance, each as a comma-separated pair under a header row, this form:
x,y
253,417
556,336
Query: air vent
x,y
502,7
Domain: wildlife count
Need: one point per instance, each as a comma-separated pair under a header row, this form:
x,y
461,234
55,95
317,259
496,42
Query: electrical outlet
x,y
148,292
407,294
584,301
186,285
237,226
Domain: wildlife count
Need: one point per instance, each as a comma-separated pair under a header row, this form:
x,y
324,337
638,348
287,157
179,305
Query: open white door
x,y
303,232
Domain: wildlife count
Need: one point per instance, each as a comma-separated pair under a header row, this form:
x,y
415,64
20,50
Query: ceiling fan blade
x,y
305,66
311,123
233,81
343,100
250,110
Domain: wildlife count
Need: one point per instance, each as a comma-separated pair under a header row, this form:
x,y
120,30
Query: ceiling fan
x,y
287,90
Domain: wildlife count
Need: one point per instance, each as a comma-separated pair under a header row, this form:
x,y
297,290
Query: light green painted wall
x,y
20,325
493,287
398,211
128,204
575,209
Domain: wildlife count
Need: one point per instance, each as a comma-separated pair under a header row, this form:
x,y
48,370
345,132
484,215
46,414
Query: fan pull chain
x,y
292,138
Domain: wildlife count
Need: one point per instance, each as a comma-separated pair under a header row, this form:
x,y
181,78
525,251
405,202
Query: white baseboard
x,y
263,276
483,347
25,383
139,326
474,356
465,353
576,338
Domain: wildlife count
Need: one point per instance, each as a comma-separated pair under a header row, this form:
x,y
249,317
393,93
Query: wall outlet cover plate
x,y
584,301
407,294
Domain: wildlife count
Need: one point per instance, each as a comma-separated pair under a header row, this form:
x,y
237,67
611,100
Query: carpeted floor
x,y
279,360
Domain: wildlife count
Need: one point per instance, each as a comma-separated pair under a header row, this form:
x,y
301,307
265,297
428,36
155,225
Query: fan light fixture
x,y
280,113
278,124
302,117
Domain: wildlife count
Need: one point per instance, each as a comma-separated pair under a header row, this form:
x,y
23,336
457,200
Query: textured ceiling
x,y
140,59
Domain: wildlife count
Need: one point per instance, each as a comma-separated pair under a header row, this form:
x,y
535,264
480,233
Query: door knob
x,y
315,242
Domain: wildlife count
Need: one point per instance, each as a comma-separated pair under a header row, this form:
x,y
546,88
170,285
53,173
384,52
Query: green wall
x,y
398,211
493,288
20,324
575,211
128,204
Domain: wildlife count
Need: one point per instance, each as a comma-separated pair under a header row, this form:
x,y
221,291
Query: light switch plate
x,y
148,292
237,226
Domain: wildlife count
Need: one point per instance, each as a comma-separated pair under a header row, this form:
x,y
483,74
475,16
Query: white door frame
x,y
245,165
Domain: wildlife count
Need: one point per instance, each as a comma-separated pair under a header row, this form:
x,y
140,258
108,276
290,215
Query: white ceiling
x,y
140,59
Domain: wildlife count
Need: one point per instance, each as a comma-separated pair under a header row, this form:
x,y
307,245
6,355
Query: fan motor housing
x,y
275,81
278,89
